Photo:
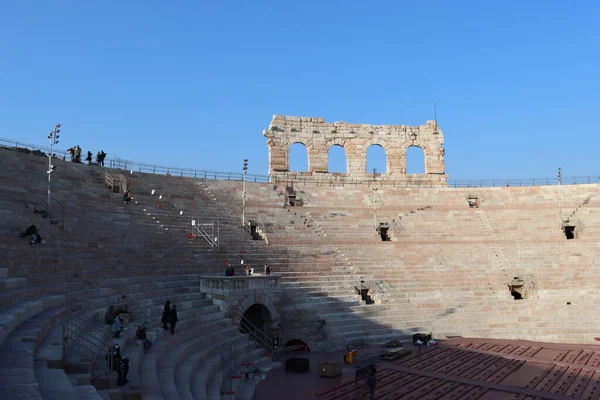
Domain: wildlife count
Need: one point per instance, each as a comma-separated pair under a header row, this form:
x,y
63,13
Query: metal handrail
x,y
77,314
144,190
101,365
259,337
238,176
118,163
43,203
231,365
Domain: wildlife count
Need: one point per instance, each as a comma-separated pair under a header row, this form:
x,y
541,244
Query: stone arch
x,y
270,317
305,161
336,143
427,153
387,150
251,300
421,159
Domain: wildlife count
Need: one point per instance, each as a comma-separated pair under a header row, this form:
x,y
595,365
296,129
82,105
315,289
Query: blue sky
x,y
194,83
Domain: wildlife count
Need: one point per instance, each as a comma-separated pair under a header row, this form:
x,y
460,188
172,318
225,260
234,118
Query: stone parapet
x,y
225,285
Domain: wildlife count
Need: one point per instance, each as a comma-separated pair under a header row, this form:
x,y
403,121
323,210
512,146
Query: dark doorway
x,y
296,345
570,232
383,232
364,295
255,319
254,231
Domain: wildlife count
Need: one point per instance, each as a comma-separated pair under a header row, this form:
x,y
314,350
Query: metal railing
x,y
128,165
109,180
41,205
230,371
255,334
415,181
86,337
425,183
211,238
213,241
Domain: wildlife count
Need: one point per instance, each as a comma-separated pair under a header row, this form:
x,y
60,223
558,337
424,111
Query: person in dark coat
x,y
166,316
89,158
173,319
372,381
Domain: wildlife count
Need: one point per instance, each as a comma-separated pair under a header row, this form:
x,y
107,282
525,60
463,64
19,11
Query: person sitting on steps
x,y
127,197
30,231
141,338
36,239
117,327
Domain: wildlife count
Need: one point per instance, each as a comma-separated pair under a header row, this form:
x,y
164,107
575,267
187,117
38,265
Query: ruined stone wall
x,y
318,136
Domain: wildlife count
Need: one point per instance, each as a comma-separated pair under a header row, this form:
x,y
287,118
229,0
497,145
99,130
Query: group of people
x,y
127,197
33,233
169,317
230,271
75,153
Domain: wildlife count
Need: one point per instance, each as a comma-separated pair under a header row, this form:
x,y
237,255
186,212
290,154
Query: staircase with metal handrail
x,y
254,333
88,339
177,221
40,205
230,368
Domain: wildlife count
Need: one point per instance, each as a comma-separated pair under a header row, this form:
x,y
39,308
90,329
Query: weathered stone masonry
x,y
318,136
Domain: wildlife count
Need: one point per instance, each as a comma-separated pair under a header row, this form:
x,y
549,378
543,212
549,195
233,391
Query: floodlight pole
x,y
244,194
53,137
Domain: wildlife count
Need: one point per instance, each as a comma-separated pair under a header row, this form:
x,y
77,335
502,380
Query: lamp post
x,y
244,194
53,137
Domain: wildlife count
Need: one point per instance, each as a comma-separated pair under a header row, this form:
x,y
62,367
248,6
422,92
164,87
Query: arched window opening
x,y
376,159
415,160
336,159
298,158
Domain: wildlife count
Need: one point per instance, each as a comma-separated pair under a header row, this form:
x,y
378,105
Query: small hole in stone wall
x,y
570,232
568,303
516,295
383,230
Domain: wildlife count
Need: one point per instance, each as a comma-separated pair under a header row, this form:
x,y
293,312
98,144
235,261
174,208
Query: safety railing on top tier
x,y
452,183
291,179
128,165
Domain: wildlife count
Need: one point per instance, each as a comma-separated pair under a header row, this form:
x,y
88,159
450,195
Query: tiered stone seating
x,y
446,269
88,269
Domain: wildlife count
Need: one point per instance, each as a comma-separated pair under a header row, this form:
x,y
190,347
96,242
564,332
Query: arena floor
x,y
459,368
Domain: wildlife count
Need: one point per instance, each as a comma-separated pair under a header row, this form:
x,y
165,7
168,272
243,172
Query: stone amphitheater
x,y
504,278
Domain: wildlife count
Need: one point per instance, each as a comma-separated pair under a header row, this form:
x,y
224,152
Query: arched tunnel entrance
x,y
256,318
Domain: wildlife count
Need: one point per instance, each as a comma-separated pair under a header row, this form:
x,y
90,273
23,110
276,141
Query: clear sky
x,y
194,83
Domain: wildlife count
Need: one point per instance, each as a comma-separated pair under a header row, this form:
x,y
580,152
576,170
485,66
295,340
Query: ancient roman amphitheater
x,y
504,278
